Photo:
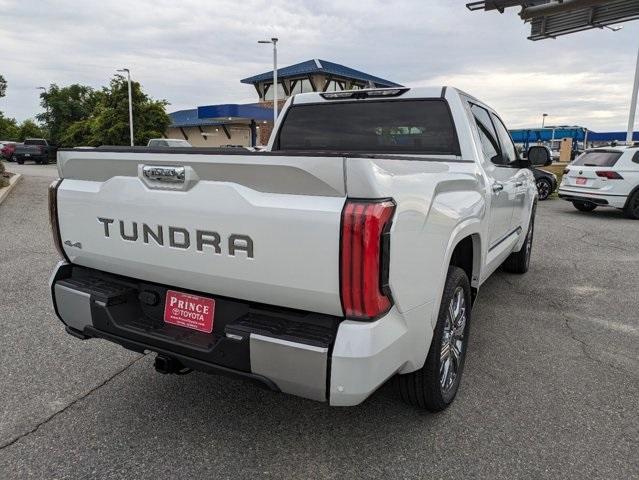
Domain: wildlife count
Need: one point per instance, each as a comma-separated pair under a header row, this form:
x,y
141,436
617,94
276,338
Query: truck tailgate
x,y
259,227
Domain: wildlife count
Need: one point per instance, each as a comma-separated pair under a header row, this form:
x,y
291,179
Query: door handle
x,y
519,184
498,187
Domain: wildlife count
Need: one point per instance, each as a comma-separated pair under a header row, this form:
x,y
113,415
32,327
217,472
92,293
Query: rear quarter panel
x,y
438,204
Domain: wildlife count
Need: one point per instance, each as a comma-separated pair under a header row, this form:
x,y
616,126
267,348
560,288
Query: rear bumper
x,y
580,195
31,156
310,355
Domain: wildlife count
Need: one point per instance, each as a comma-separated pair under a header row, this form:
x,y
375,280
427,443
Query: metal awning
x,y
553,18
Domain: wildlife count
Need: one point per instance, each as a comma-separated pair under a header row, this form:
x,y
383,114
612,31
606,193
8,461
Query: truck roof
x,y
403,93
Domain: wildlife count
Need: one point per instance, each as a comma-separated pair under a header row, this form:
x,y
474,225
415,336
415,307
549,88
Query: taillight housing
x,y
364,261
566,170
53,218
609,174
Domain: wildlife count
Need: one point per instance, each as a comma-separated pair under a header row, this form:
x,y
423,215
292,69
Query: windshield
x,y
598,158
34,141
399,126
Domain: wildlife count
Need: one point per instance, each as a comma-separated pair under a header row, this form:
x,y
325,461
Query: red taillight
x,y
364,257
609,175
53,218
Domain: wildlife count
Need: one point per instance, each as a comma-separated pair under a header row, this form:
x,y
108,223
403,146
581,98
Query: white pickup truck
x,y
349,252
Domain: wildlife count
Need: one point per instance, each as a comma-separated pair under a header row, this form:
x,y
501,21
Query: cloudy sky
x,y
195,52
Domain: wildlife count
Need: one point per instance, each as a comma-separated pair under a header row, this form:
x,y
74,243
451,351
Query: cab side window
x,y
508,152
486,130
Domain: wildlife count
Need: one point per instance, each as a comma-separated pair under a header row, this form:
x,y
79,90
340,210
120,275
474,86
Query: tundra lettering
x,y
180,237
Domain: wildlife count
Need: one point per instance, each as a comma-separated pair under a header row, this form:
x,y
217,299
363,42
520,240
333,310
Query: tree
x,y
3,86
63,107
29,129
109,124
8,128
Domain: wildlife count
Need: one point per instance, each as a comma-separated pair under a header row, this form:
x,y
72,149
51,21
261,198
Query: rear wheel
x,y
20,161
434,386
544,188
518,262
584,206
631,210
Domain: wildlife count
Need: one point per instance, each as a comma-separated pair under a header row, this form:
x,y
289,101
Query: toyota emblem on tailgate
x,y
164,174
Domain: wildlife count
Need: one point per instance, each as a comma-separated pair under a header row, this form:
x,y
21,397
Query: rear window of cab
x,y
598,158
422,126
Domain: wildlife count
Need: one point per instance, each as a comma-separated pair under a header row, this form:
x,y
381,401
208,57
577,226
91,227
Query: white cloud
x,y
195,52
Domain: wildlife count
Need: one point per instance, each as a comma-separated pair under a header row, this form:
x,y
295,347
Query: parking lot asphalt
x,y
550,389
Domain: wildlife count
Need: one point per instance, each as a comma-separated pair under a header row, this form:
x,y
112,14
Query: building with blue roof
x,y
251,124
580,136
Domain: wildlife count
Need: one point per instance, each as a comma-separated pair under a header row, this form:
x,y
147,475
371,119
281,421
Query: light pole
x,y
274,42
128,75
633,105
543,119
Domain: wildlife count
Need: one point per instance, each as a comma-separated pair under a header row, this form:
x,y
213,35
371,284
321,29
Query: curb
x,y
13,181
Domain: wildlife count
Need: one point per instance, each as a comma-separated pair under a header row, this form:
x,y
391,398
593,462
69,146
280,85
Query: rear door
x,y
501,176
259,227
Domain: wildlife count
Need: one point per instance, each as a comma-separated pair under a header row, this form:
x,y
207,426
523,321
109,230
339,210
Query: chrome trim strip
x,y
516,231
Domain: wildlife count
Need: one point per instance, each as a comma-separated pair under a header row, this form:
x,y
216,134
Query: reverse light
x,y
609,174
53,218
365,249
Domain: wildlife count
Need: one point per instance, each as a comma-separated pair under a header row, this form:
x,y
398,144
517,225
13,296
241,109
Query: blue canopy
x,y
321,66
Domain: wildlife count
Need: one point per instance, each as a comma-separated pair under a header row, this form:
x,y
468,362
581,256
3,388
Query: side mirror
x,y
539,156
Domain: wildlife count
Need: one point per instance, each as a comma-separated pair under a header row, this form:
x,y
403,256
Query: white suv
x,y
604,177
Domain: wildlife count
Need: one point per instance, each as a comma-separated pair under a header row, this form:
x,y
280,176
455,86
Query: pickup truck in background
x,y
349,252
37,149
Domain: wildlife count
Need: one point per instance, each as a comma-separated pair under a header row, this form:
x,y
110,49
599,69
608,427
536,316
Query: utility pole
x,y
128,75
633,105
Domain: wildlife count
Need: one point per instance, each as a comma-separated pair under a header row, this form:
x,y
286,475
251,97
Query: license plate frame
x,y
189,311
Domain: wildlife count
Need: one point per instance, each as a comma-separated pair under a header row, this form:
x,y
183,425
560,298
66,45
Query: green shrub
x,y
4,182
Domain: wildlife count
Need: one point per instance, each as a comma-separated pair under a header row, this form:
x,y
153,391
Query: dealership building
x,y
251,124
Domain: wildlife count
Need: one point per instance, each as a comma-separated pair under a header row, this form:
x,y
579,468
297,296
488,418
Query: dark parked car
x,y
546,181
36,149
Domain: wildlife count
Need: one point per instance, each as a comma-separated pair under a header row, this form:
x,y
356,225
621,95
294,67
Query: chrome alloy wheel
x,y
452,348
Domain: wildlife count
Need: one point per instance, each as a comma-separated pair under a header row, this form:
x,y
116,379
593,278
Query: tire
x,y
20,161
631,210
434,386
518,262
584,206
544,188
